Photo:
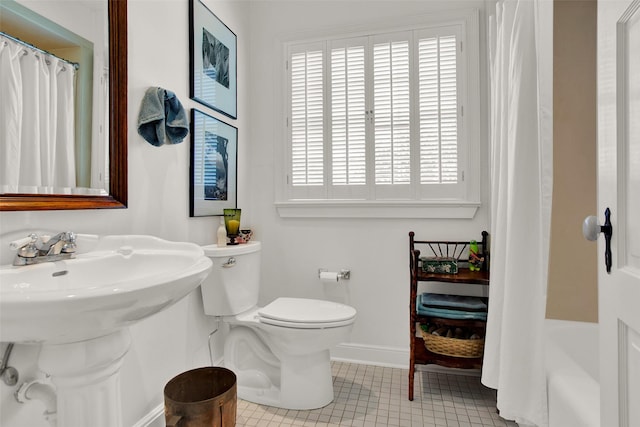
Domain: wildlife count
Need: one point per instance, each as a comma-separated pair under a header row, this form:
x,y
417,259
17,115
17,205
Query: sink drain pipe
x,y
44,391
8,373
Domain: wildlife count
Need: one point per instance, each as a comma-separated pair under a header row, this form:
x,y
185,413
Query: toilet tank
x,y
233,284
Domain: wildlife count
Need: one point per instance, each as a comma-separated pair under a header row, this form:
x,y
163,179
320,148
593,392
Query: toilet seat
x,y
300,325
305,313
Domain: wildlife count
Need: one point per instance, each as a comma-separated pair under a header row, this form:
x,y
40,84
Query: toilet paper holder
x,y
344,274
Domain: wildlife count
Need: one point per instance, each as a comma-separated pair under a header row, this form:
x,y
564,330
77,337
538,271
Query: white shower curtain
x,y
37,134
521,186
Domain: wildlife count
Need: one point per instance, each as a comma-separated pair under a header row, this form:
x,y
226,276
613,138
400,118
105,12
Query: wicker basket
x,y
453,346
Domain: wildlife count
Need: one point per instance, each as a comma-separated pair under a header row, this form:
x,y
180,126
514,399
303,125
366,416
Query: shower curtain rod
x,y
37,49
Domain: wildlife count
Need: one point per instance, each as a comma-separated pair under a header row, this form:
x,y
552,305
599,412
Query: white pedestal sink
x,y
79,310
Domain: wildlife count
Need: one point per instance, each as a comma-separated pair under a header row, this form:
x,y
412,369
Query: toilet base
x,y
306,383
297,382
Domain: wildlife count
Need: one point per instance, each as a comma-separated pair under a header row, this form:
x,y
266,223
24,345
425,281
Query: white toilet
x,y
280,352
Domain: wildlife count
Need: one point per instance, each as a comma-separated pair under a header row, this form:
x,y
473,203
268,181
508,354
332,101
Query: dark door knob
x,y
591,229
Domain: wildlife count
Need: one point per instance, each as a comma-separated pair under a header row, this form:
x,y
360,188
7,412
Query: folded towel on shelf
x,y
450,314
453,302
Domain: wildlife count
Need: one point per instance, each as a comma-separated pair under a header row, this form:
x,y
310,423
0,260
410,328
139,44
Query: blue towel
x,y
451,314
162,119
457,302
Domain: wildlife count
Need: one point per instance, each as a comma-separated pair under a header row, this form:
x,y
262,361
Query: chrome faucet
x,y
36,249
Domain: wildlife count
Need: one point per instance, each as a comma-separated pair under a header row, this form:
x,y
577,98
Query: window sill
x,y
377,209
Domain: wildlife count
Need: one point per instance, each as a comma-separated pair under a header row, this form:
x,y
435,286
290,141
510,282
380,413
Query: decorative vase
x,y
232,224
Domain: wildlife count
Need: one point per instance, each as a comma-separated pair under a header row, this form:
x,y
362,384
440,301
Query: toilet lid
x,y
307,312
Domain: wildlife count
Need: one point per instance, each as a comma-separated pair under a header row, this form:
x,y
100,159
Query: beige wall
x,y
572,292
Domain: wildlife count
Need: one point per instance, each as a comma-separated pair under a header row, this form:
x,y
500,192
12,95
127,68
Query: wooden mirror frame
x,y
117,197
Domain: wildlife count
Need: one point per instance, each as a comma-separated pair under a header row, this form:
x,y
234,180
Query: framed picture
x,y
213,61
214,161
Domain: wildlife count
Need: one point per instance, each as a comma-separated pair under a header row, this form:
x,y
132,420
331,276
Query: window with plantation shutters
x,y
384,117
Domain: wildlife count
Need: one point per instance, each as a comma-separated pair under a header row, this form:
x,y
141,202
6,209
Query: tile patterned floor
x,y
372,396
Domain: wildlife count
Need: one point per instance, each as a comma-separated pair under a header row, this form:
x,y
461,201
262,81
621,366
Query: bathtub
x,y
572,373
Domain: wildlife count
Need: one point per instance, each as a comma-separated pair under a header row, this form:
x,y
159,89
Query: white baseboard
x,y
391,357
154,418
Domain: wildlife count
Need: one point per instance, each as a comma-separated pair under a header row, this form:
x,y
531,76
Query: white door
x,y
619,190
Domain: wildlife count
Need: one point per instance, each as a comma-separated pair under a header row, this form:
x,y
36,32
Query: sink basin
x,y
78,311
113,282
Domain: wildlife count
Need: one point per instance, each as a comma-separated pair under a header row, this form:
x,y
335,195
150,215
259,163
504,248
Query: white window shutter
x,y
307,118
438,109
348,133
392,112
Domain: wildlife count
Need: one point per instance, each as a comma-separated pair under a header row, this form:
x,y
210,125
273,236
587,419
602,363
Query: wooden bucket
x,y
201,397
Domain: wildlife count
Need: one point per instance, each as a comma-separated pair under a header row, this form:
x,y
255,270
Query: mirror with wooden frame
x,y
117,191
